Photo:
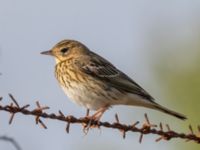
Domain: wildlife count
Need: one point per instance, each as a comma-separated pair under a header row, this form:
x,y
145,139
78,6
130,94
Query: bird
x,y
93,82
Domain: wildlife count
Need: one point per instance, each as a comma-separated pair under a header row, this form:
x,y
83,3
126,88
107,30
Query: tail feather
x,y
170,112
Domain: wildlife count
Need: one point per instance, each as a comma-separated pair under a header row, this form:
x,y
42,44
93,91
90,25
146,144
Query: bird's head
x,y
67,49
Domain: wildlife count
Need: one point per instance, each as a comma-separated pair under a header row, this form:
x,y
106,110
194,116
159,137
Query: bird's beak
x,y
47,53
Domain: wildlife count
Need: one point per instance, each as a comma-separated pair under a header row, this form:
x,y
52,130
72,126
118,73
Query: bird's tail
x,y
170,112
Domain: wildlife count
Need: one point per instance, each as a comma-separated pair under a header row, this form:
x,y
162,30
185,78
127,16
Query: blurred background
x,y
155,42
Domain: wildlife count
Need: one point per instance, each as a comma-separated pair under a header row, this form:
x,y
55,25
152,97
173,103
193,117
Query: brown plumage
x,y
93,82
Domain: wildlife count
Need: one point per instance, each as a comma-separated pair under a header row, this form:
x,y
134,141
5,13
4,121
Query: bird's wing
x,y
101,69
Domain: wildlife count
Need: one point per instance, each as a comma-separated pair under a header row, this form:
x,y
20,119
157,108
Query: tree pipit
x,y
93,82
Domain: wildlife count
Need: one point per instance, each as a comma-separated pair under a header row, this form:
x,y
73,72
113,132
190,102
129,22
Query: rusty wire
x,y
146,127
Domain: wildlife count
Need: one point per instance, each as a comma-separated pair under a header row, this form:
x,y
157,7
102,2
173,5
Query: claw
x,y
95,117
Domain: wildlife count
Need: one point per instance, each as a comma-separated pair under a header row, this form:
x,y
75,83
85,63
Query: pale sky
x,y
124,32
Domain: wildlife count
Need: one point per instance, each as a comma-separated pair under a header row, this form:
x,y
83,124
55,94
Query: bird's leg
x,y
96,117
98,114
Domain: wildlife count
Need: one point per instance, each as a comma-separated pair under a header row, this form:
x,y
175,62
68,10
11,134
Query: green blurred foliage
x,y
178,73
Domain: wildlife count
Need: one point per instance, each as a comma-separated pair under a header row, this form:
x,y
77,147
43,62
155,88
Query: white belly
x,y
93,100
81,96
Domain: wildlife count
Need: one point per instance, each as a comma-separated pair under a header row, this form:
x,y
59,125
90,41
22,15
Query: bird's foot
x,y
94,120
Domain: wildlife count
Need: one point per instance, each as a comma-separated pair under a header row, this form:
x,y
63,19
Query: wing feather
x,y
101,69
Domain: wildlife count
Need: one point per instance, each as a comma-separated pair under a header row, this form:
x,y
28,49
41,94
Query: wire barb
x,y
141,138
14,100
191,129
146,128
87,112
161,126
168,128
135,124
67,127
61,114
116,118
25,106
39,110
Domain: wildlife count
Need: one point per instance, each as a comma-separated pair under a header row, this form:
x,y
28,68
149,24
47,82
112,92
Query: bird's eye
x,y
64,50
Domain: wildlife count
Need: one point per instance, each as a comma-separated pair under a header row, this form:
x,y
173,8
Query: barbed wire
x,y
146,127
